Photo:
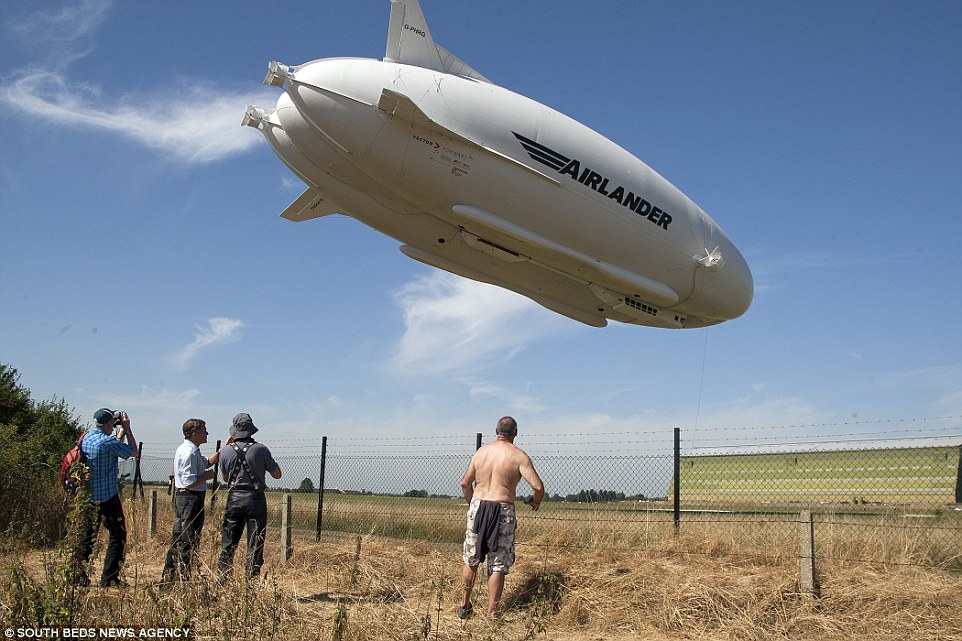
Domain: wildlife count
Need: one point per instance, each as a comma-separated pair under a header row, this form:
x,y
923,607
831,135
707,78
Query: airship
x,y
485,183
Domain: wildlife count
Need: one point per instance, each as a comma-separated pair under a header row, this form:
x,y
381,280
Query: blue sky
x,y
143,265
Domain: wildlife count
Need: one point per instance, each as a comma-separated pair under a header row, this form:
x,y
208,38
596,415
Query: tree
x,y
596,496
35,437
307,485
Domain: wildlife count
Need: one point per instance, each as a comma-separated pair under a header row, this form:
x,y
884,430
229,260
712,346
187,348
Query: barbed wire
x,y
688,434
903,431
832,441
836,424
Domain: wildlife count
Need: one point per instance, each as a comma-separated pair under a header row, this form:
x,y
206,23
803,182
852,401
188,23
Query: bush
x,y
35,436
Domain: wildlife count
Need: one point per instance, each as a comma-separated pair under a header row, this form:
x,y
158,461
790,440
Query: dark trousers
x,y
188,523
244,509
111,514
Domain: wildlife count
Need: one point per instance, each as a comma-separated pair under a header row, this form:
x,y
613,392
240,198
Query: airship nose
x,y
742,287
723,285
731,288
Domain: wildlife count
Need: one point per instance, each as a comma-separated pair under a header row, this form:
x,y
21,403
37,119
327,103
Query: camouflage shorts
x,y
499,560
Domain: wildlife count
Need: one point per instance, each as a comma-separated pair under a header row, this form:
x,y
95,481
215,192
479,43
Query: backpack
x,y
76,456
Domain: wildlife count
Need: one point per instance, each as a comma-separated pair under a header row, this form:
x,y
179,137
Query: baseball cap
x,y
103,415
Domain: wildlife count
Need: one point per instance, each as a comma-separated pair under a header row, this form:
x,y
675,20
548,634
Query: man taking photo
x,y
103,448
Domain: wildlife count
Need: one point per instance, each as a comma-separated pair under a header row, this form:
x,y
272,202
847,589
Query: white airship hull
x,y
493,186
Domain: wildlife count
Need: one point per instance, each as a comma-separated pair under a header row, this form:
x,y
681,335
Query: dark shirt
x,y
259,460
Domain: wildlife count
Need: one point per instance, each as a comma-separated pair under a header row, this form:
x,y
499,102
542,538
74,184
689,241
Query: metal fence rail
x,y
899,501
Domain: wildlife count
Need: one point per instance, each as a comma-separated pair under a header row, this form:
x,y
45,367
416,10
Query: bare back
x,y
496,470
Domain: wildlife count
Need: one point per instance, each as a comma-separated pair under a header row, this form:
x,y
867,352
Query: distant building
x,y
335,490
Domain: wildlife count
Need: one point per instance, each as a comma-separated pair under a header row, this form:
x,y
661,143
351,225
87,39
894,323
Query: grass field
x,y
842,531
919,476
579,578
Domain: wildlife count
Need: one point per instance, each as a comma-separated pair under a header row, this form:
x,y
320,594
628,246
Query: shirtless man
x,y
489,487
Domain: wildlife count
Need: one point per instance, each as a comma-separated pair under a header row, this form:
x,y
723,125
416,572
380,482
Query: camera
x,y
118,427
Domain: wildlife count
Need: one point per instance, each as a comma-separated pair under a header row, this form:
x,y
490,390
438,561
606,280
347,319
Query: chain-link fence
x,y
891,501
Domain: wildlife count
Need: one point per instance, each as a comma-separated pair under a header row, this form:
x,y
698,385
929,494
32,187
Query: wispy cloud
x,y
772,272
943,383
218,331
63,33
155,414
152,400
512,399
195,123
453,323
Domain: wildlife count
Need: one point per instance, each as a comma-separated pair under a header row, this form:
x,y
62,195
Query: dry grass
x,y
697,586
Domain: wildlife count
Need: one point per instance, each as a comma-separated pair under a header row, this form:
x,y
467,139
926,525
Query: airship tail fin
x,y
311,204
409,42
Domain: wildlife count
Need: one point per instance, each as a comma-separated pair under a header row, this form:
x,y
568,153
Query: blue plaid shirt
x,y
102,452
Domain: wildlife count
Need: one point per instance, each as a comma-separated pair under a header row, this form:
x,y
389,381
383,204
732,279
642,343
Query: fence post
x,y
477,442
676,499
806,556
958,478
287,543
320,491
137,477
152,512
214,483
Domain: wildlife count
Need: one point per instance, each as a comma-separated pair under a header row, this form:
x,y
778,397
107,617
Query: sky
x,y
143,265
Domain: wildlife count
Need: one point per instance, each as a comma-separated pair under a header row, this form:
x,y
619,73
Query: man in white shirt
x,y
192,470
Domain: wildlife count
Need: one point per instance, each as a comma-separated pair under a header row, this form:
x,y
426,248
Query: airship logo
x,y
590,178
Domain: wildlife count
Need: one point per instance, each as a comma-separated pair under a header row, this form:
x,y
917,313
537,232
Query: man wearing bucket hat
x,y
244,466
102,448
